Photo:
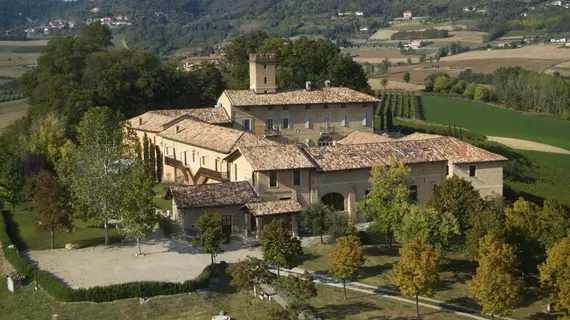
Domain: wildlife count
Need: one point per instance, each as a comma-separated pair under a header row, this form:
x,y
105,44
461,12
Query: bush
x,y
363,236
143,289
165,226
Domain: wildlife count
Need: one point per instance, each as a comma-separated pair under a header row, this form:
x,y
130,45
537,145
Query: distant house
x,y
408,14
359,13
95,10
469,9
416,44
363,29
504,43
567,44
195,63
556,3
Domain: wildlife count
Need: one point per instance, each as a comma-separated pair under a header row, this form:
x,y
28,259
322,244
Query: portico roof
x,y
271,208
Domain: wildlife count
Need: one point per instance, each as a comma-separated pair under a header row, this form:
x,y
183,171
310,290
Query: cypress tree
x,y
152,162
158,165
381,121
389,120
146,150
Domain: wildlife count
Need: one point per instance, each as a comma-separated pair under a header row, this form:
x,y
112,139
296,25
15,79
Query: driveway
x,y
163,260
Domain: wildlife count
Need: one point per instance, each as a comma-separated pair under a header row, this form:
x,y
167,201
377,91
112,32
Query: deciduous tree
x,y
458,197
347,256
490,220
431,226
553,223
313,218
50,205
389,197
494,285
97,167
210,234
523,233
137,209
555,274
248,274
417,271
302,288
278,245
407,77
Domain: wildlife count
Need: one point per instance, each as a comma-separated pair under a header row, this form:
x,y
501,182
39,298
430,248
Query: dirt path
x,y
528,145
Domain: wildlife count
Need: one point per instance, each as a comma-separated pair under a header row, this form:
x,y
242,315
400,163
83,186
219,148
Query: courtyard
x,y
171,260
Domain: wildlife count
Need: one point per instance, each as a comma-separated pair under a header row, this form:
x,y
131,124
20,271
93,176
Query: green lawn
x,y
493,121
547,176
13,103
330,304
21,227
163,204
455,274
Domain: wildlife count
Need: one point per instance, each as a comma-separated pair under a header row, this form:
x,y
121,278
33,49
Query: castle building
x,y
267,152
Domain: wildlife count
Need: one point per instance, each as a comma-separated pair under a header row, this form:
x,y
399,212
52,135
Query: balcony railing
x,y
272,132
327,129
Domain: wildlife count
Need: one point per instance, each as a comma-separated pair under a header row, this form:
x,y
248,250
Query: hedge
x,y
408,127
113,292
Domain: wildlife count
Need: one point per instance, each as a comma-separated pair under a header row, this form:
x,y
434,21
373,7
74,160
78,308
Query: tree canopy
x,y
347,256
278,245
210,234
555,274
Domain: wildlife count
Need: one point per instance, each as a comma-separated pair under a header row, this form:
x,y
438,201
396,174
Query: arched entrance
x,y
334,200
325,141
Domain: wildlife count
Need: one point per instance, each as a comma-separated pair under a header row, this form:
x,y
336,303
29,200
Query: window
x,y
326,121
253,178
166,151
264,67
447,170
273,179
285,107
193,156
365,120
414,193
246,123
343,105
265,80
286,123
203,160
343,121
270,108
185,160
216,164
297,177
247,109
307,107
364,105
325,106
235,172
269,124
472,171
308,123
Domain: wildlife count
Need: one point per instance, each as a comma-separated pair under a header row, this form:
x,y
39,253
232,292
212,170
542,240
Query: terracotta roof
x,y
357,156
419,136
358,137
213,195
276,157
154,121
268,208
212,137
298,96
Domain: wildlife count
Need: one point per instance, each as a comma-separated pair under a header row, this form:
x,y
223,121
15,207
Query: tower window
x,y
265,80
264,67
307,107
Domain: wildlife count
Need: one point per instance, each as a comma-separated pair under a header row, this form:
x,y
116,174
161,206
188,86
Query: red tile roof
x,y
153,121
298,97
268,208
213,195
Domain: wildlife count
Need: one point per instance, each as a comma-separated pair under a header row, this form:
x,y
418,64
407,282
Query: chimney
x,y
178,129
327,84
308,85
140,121
262,73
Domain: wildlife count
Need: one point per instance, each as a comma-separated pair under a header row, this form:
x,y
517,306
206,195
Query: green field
x,y
25,236
493,121
12,110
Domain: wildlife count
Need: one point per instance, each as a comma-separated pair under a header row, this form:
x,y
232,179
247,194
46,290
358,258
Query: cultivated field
x,y
10,111
376,84
454,67
17,56
494,121
541,52
563,68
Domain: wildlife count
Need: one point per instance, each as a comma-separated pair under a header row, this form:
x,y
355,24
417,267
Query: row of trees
x,y
514,87
511,243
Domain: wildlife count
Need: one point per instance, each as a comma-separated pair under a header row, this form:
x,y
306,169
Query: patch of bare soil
x,y
528,145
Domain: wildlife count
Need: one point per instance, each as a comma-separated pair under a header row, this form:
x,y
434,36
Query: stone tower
x,y
262,77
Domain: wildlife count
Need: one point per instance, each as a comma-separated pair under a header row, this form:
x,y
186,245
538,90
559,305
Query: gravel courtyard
x,y
163,260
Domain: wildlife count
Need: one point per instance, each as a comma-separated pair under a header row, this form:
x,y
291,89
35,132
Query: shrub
x,y
363,236
101,294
